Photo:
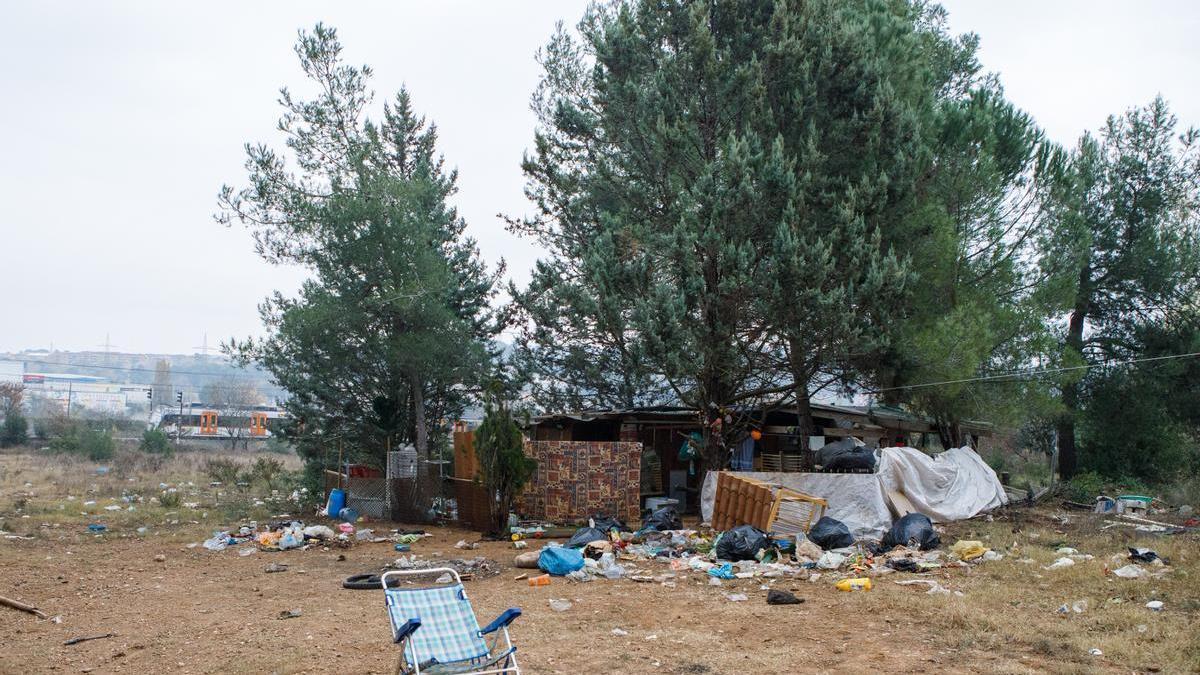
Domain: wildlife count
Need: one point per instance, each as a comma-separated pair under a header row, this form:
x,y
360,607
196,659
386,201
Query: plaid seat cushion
x,y
448,632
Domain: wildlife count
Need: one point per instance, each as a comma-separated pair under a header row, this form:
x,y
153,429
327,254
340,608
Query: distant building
x,y
12,371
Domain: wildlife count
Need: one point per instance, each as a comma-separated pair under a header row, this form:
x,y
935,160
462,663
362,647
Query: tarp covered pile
x,y
953,485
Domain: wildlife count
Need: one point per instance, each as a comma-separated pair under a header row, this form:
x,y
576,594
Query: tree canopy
x,y
393,326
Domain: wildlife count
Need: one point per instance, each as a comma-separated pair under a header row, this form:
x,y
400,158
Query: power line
x,y
1044,371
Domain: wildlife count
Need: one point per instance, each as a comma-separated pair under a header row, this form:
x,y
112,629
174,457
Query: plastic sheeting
x,y
856,499
954,485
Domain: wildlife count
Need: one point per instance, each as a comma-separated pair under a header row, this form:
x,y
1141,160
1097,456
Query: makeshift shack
x,y
662,430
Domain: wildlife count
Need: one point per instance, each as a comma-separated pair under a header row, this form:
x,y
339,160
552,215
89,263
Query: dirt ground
x,y
216,612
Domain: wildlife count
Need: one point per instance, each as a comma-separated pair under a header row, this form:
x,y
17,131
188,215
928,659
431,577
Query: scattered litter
x,y
778,597
1130,572
1143,555
830,560
991,556
319,532
466,546
290,614
540,580
1095,652
1155,605
723,572
862,584
275,567
736,597
713,581
968,549
1079,606
97,527
75,641
560,605
160,558
619,633
1060,564
1067,550
934,587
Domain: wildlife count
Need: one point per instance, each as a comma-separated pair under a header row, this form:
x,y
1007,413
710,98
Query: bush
x,y
156,442
14,431
500,446
224,471
267,470
1086,486
97,445
170,499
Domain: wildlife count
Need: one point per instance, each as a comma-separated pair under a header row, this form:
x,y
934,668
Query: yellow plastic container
x,y
861,584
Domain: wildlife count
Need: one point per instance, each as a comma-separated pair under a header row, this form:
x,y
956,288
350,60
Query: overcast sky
x,y
121,120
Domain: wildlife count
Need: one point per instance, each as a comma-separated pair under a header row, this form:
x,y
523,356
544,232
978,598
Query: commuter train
x,y
201,420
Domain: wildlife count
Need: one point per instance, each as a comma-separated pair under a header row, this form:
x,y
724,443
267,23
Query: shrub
x,y
223,470
156,442
170,499
1085,487
267,470
14,430
502,460
97,445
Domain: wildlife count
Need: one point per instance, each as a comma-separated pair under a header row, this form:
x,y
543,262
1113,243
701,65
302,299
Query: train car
x,y
200,420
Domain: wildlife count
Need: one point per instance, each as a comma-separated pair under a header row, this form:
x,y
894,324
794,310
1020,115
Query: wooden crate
x,y
770,508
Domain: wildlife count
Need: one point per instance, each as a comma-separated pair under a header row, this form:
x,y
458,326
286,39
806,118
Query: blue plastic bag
x,y
723,572
560,561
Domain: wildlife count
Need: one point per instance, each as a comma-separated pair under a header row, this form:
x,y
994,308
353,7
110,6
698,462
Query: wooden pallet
x,y
770,508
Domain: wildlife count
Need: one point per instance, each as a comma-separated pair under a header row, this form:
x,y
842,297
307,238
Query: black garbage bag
x,y
584,535
742,543
665,518
915,529
845,455
830,533
607,523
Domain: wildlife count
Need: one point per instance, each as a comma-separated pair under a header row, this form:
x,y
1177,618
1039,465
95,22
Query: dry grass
x,y
1009,606
44,491
1004,621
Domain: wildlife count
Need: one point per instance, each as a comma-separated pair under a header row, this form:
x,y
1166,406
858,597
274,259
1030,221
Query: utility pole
x,y
179,421
70,385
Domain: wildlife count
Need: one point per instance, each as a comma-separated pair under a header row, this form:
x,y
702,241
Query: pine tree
x,y
1128,237
394,324
714,181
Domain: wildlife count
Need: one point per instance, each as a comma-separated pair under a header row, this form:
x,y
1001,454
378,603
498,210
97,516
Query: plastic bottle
x,y
860,584
540,580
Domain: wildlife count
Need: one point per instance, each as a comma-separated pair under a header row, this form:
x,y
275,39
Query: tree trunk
x,y
1067,457
950,434
805,427
422,433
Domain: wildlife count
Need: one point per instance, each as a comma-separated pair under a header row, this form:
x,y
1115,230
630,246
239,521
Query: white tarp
x,y
954,485
856,499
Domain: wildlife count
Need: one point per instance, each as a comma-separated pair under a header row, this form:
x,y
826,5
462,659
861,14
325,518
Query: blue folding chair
x,y
438,632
